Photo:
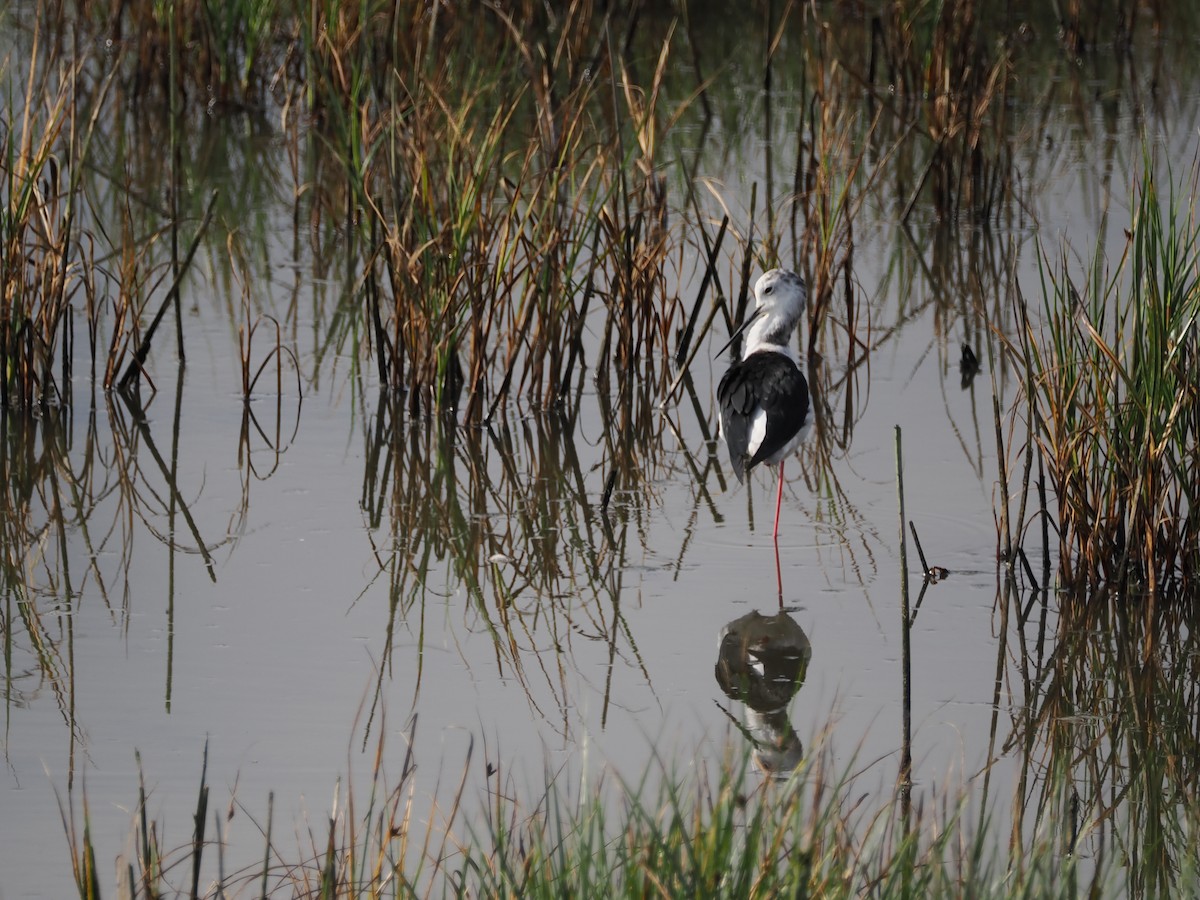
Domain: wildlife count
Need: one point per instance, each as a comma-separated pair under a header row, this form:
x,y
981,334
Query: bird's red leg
x,y
778,576
778,502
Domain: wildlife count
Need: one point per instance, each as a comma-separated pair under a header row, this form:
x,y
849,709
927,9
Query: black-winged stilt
x,y
765,409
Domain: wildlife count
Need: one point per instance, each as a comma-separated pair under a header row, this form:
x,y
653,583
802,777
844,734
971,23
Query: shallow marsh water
x,y
357,560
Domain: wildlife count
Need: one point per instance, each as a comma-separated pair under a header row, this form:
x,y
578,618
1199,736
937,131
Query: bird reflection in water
x,y
762,662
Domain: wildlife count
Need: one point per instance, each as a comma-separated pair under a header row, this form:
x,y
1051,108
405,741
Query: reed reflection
x,y
1103,726
107,526
762,662
79,497
515,518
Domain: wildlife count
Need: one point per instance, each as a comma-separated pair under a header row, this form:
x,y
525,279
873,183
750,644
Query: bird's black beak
x,y
737,334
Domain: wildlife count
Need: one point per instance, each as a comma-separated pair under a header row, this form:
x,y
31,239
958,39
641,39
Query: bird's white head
x,y
780,298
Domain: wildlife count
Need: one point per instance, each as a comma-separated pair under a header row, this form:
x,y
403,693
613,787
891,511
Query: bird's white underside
x,y
758,432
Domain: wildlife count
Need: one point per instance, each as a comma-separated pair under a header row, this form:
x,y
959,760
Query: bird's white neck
x,y
772,334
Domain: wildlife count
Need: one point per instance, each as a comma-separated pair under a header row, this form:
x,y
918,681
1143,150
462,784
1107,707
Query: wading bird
x,y
765,409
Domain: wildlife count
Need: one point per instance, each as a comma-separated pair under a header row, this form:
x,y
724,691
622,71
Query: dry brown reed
x,y
507,222
951,71
39,274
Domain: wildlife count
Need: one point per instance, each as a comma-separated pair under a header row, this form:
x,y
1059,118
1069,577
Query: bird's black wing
x,y
736,403
770,382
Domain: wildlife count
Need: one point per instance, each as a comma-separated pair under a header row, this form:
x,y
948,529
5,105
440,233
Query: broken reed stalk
x,y
920,549
134,369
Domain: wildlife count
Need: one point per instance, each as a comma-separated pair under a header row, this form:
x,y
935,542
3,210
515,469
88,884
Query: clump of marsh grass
x,y
720,833
1114,404
203,54
39,271
504,230
495,182
52,261
951,75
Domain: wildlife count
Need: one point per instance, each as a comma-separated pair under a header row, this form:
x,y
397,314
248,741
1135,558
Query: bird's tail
x,y
740,465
